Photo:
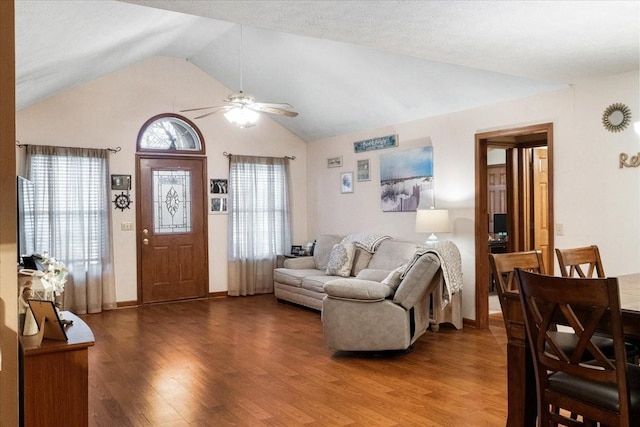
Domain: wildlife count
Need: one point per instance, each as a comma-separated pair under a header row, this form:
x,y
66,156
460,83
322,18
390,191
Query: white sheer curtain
x,y
73,221
259,227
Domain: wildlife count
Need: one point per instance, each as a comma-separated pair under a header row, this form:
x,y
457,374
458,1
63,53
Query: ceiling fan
x,y
241,108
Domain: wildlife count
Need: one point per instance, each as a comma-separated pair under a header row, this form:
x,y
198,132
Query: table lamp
x,y
432,221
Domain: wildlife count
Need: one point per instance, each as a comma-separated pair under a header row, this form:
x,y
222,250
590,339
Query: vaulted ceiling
x,y
344,65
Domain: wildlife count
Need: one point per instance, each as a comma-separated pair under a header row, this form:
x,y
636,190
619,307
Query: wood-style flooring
x,y
252,361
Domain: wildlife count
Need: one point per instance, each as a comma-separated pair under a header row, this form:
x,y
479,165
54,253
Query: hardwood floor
x,y
251,361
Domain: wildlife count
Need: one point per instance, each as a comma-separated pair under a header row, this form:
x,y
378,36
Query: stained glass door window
x,y
171,201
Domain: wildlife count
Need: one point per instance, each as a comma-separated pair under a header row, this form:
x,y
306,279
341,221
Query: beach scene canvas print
x,y
406,178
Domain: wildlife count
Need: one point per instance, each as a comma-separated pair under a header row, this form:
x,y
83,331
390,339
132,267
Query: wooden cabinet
x,y
54,378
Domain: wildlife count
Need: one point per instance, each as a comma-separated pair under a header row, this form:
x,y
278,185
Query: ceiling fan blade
x,y
218,109
198,109
271,110
282,105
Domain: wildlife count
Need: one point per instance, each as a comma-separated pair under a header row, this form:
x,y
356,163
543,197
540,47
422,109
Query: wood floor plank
x,y
251,361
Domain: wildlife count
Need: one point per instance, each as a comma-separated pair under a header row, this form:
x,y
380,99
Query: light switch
x,y
559,229
126,226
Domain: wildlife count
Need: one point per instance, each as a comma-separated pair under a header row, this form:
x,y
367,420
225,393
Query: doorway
x,y
172,224
529,200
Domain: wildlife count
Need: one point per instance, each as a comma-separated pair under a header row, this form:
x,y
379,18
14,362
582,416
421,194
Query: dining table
x,y
521,383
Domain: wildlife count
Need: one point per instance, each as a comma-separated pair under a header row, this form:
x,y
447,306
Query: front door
x,y
172,229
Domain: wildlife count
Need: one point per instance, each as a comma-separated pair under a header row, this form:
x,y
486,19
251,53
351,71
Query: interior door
x,y
540,189
172,229
497,191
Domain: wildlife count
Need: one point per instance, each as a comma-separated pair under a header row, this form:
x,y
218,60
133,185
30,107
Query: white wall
x,y
109,112
597,202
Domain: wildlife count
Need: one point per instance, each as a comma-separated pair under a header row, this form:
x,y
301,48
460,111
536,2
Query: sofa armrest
x,y
418,281
300,263
357,289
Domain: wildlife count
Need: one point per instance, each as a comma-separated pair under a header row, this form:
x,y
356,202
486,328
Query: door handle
x,y
145,241
145,231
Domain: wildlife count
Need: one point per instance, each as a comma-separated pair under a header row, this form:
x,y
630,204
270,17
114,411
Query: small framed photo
x,y
363,170
121,182
334,162
346,182
297,250
218,205
218,186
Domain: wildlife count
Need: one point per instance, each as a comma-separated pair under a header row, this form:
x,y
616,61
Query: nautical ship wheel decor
x,y
616,117
122,201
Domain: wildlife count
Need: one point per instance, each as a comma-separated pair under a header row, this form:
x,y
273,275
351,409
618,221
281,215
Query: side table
x,y
54,382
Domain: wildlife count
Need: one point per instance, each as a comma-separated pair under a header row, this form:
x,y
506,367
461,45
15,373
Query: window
x,y
170,132
259,207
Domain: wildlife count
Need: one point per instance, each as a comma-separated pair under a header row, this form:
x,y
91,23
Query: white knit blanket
x,y
367,241
450,263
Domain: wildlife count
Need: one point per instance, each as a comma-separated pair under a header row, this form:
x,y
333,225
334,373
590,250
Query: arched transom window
x,y
170,132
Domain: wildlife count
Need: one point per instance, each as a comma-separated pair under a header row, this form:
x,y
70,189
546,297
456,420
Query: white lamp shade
x,y
432,221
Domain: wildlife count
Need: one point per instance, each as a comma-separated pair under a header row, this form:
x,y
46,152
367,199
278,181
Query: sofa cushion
x,y
341,260
391,254
373,274
393,279
316,283
360,261
322,249
293,277
357,289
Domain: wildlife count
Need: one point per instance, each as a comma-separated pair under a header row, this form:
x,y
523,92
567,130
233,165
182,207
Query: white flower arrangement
x,y
56,273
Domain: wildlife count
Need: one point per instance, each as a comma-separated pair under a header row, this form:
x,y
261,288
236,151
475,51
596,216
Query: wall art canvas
x,y
406,179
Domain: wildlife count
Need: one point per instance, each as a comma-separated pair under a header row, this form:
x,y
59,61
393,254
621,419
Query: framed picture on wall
x,y
346,182
363,170
334,162
218,186
218,205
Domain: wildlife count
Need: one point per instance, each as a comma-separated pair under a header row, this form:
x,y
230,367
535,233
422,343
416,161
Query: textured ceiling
x,y
344,65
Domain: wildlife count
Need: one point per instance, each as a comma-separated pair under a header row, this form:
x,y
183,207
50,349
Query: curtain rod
x,y
285,157
113,150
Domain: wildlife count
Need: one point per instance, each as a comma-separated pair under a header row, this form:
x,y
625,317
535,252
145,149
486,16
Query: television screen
x,y
500,223
26,218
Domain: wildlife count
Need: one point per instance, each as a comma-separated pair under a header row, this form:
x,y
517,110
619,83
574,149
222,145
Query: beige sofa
x,y
308,280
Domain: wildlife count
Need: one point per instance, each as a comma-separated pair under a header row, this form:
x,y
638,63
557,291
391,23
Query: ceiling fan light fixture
x,y
242,117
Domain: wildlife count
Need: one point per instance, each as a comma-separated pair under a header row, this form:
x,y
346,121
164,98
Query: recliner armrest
x,y
357,289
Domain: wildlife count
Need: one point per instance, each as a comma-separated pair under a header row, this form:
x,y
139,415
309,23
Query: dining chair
x,y
585,381
504,266
585,262
580,262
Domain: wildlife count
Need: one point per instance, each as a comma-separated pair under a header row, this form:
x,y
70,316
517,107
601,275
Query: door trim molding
x,y
508,138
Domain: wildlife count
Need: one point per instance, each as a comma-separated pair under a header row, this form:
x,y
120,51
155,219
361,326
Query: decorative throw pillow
x,y
360,261
341,259
394,278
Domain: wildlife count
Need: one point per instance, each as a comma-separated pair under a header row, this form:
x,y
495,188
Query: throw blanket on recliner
x,y
367,241
451,264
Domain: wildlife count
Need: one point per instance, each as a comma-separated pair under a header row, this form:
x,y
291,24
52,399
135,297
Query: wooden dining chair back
x,y
582,262
503,267
582,381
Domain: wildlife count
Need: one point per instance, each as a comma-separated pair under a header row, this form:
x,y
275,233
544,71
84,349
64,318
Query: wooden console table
x,y
54,378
